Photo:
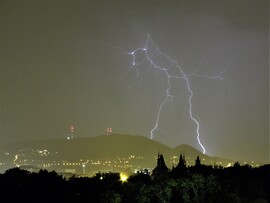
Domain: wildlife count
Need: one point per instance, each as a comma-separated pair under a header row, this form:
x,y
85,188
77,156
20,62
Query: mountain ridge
x,y
126,151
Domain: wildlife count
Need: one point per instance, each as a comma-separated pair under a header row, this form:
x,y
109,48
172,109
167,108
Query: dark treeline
x,y
194,184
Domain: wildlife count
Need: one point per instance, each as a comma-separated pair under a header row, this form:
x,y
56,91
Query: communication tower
x,y
109,131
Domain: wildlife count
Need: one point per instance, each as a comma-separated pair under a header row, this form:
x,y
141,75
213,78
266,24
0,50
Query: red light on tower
x,y
109,131
71,131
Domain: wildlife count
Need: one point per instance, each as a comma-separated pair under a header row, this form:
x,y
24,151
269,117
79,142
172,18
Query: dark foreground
x,y
199,183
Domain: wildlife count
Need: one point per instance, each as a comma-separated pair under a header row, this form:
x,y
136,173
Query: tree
x,y
111,197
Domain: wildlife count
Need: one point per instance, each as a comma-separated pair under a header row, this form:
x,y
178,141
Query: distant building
x,y
181,167
161,167
198,162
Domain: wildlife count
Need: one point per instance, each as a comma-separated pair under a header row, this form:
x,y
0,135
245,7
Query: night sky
x,y
63,63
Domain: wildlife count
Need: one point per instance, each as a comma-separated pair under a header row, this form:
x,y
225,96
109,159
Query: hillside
x,y
102,153
104,146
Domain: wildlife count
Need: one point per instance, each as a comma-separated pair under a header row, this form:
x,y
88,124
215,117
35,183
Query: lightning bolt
x,y
151,52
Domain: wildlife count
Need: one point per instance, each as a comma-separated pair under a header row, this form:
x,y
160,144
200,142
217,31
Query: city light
x,y
123,177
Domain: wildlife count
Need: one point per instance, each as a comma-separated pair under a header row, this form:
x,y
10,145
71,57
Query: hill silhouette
x,y
108,147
